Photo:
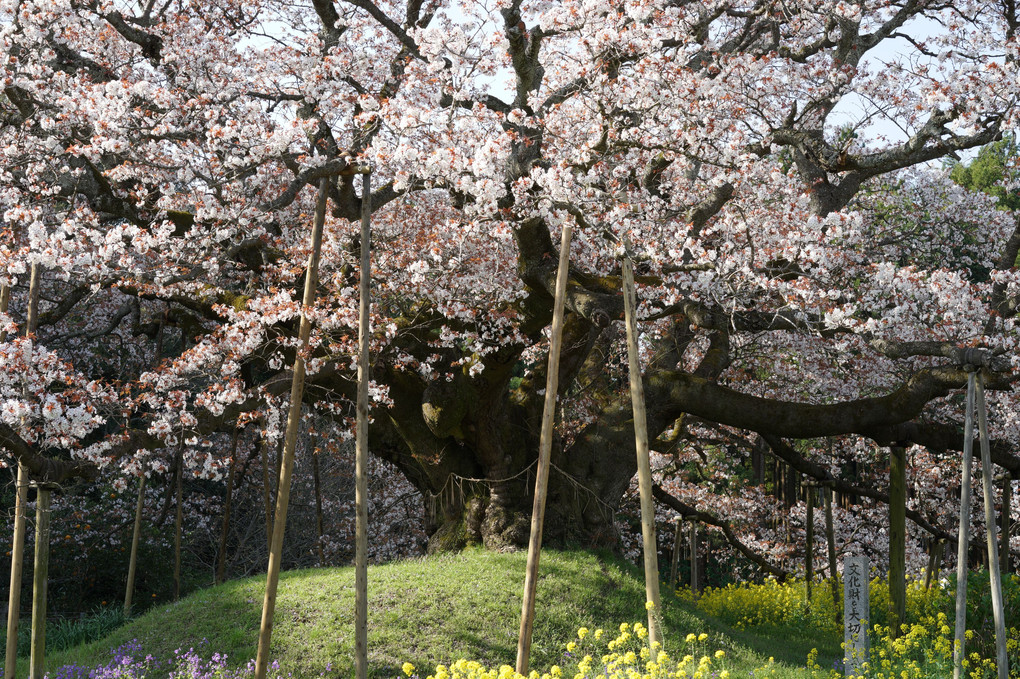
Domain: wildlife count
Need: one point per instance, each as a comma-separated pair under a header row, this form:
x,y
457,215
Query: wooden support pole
x,y
897,539
221,556
644,469
830,538
695,575
677,546
940,553
20,501
317,486
267,499
37,662
136,536
809,547
178,517
1005,520
929,571
290,437
963,542
544,453
998,612
361,440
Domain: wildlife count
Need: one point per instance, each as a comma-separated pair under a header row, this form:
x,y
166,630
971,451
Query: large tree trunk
x,y
471,452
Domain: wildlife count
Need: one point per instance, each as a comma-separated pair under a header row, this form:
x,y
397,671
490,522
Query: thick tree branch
x,y
40,467
685,393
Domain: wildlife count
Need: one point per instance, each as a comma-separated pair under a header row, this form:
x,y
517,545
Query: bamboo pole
x,y
221,557
939,555
317,485
361,440
37,662
178,517
20,501
695,574
266,495
544,453
929,571
290,438
1005,521
998,614
963,542
677,546
644,468
830,538
897,538
809,548
136,536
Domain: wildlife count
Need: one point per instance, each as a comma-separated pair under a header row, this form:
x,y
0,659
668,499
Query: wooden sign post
x,y
856,614
544,453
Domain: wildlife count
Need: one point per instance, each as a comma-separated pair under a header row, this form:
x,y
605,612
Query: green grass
x,y
430,611
65,633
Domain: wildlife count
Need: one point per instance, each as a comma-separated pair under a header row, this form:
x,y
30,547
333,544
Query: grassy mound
x,y
426,611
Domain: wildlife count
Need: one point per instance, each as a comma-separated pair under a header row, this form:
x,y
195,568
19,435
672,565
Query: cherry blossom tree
x,y
802,274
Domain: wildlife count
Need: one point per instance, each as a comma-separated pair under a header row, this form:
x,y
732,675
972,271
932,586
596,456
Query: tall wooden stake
x,y
221,557
136,536
637,396
544,453
897,538
830,538
267,495
963,542
998,615
317,485
37,662
929,571
290,438
677,545
809,547
695,575
361,440
1005,520
21,499
178,517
